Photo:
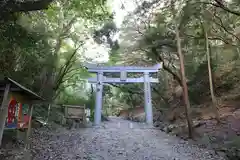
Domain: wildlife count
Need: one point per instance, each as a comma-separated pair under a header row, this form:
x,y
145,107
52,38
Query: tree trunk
x,y
23,6
214,101
184,85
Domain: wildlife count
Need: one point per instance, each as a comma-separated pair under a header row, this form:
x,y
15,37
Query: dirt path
x,y
116,140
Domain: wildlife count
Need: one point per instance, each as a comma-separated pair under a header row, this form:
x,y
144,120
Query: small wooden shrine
x,y
17,106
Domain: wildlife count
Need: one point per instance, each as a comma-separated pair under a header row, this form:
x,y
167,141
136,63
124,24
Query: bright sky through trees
x,y
120,8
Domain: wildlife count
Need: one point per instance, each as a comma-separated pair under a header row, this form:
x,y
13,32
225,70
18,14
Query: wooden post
x,y
30,111
49,110
84,116
27,152
4,111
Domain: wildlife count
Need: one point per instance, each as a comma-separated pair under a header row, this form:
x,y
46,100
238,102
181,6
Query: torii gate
x,y
123,70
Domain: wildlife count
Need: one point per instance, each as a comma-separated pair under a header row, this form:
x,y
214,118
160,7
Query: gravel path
x,y
116,140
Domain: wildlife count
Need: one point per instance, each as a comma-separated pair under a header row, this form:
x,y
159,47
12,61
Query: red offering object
x,y
15,118
20,112
24,123
11,111
26,118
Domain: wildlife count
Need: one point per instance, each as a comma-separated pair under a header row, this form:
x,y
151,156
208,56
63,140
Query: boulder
x,y
104,118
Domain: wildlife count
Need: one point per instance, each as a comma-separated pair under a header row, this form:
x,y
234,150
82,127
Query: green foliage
x,y
233,151
91,104
71,99
158,44
43,50
23,53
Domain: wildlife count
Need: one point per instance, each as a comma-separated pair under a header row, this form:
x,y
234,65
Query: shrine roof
x,y
15,87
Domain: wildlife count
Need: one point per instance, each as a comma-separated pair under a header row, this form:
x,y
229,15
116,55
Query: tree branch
x,y
160,59
12,6
128,90
222,6
223,27
65,68
210,38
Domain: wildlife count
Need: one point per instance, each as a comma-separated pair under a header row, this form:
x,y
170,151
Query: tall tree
x,y
183,78
214,101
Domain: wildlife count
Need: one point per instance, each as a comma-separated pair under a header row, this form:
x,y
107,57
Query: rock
x,y
157,124
197,124
233,154
165,129
221,154
169,128
104,118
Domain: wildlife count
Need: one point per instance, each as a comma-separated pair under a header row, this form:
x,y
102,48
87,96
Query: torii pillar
x,y
148,99
98,101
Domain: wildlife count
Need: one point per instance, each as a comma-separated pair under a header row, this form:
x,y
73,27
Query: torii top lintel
x,y
96,69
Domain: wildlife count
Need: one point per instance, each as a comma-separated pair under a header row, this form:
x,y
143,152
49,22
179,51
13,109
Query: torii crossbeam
x,y
118,80
123,70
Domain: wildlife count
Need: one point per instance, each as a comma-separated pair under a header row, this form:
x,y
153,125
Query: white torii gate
x,y
100,80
